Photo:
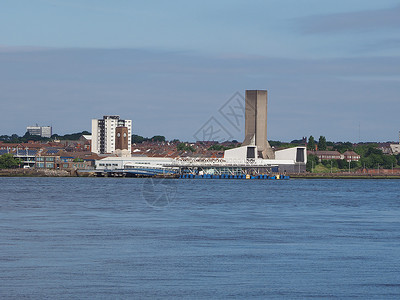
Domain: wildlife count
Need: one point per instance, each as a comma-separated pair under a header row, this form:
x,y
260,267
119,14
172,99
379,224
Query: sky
x,y
179,68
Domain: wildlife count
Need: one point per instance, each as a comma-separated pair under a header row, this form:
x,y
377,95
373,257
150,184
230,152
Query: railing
x,y
193,162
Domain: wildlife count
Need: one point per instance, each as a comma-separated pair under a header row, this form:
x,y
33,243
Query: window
x,y
49,158
39,165
50,165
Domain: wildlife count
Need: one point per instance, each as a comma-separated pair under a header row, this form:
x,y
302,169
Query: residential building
x,y
104,133
45,162
326,155
351,156
395,148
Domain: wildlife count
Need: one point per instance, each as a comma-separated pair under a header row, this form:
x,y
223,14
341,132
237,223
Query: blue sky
x,y
331,68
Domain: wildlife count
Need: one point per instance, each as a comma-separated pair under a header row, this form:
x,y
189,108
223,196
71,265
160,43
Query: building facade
x,y
351,156
43,131
104,134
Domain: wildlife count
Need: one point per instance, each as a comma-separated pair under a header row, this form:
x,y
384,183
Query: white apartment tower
x,y
104,135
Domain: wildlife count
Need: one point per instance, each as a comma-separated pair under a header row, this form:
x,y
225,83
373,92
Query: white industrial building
x,y
241,160
104,133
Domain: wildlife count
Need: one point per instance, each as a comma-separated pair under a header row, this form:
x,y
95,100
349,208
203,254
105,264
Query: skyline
x,y
330,69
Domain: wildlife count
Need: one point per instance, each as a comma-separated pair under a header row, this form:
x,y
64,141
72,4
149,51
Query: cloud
x,y
386,45
353,21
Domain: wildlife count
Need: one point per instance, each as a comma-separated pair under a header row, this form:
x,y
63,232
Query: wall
x,y
290,154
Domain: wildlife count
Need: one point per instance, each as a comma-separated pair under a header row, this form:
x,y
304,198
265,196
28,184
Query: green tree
x,y
342,164
158,138
342,147
398,159
312,161
8,161
137,139
311,143
389,161
185,147
322,143
275,143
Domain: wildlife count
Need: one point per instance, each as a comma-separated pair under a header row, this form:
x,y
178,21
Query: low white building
x,y
120,163
287,160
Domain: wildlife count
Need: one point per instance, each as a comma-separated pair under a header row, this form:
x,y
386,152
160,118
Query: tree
x,y
275,143
342,147
158,138
389,161
137,139
312,161
297,142
8,161
322,143
342,164
311,143
184,147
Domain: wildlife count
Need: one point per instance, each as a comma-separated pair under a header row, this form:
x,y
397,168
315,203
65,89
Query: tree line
x,y
15,138
371,157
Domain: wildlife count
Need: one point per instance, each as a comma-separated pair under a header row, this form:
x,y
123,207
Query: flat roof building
x,y
43,131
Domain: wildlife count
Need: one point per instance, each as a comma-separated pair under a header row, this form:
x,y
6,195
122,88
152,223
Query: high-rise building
x,y
256,122
43,131
105,131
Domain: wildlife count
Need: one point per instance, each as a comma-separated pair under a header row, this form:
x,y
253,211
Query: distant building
x,y
43,131
395,148
326,155
351,156
104,134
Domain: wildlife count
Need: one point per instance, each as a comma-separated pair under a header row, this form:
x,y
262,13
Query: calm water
x,y
134,238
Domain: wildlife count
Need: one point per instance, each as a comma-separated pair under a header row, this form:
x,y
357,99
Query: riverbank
x,y
73,173
343,176
35,173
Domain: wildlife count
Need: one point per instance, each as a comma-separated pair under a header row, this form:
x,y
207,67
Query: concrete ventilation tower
x,y
256,123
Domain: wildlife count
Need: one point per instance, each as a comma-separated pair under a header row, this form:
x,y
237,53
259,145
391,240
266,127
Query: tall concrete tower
x,y
256,123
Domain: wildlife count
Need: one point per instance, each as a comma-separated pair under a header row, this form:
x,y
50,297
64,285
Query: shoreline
x,y
343,176
74,173
35,173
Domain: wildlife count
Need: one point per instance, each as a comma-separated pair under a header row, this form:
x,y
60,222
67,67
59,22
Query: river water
x,y
109,238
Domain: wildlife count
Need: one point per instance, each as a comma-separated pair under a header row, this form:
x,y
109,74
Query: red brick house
x,y
351,156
